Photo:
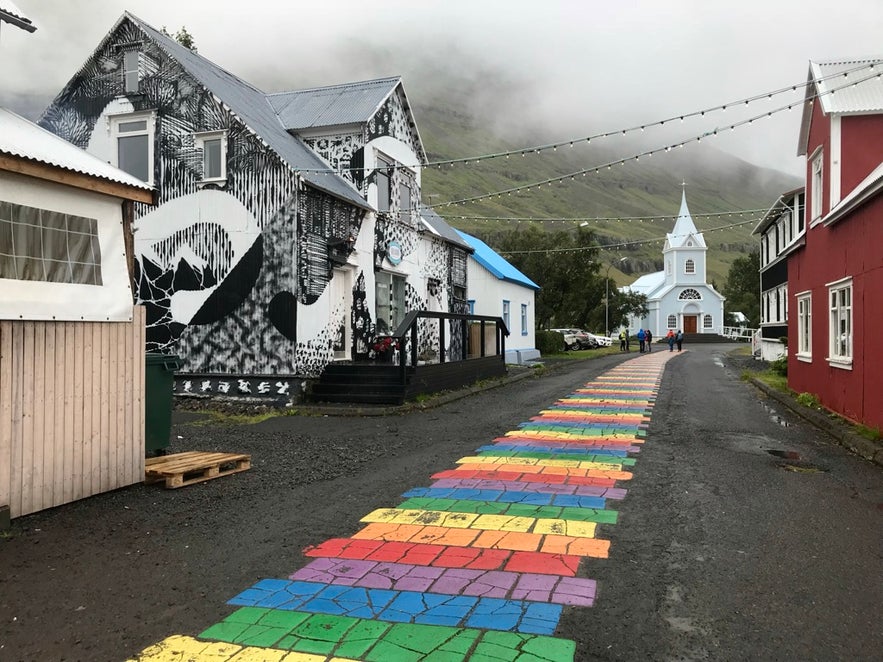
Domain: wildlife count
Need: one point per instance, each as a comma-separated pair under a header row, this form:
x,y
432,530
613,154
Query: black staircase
x,y
478,352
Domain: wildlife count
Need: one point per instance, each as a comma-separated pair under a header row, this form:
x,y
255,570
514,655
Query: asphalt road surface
x,y
745,534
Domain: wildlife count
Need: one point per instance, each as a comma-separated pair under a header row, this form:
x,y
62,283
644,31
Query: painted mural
x,y
237,271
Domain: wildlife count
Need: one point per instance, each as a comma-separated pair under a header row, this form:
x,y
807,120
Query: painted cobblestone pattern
x,y
478,565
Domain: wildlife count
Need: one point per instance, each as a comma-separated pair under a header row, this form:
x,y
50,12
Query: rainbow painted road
x,y
476,566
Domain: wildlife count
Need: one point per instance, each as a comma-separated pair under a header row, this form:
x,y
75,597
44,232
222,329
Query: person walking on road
x,y
622,337
641,336
648,338
670,338
679,339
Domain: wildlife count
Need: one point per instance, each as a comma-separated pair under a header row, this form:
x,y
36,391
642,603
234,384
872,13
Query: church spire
x,y
684,227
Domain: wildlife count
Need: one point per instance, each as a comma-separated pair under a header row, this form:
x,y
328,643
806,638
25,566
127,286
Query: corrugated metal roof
x,y
15,16
441,228
863,97
496,263
24,139
350,103
648,283
252,106
836,95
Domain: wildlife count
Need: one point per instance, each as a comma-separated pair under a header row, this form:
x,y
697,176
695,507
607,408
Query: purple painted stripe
x,y
547,488
450,581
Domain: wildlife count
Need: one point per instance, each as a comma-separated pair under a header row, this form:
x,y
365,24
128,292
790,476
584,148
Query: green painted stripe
x,y
514,509
378,641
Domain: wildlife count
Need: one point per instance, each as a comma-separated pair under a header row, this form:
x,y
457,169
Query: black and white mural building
x,y
287,231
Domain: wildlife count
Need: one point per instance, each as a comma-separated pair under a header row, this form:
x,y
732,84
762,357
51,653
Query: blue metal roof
x,y
496,263
253,107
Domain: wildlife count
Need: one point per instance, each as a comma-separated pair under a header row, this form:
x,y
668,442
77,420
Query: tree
x,y
626,304
182,36
564,264
742,289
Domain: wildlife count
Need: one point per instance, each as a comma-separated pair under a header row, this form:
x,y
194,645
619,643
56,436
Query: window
x,y
840,322
816,187
506,313
689,294
48,246
524,319
689,267
471,306
133,136
383,179
668,266
707,322
804,325
214,155
672,322
406,214
390,302
130,71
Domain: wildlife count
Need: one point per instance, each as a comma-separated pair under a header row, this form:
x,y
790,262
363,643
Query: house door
x,y
341,300
690,323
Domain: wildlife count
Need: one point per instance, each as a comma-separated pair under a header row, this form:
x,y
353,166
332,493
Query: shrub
x,y
780,366
808,400
550,342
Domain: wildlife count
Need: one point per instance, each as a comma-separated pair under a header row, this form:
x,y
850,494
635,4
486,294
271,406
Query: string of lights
x,y
536,149
636,157
599,219
625,244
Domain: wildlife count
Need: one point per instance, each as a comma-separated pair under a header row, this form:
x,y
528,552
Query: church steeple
x,y
684,230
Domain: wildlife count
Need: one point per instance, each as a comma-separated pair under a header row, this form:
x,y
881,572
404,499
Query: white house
x,y
71,340
497,288
679,297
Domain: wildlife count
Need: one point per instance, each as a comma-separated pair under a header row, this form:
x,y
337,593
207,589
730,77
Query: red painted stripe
x,y
552,479
443,556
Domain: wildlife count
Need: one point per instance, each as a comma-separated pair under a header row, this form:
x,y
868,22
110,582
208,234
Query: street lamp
x,y
607,293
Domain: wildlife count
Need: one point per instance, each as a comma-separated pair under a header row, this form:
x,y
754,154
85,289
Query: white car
x,y
603,341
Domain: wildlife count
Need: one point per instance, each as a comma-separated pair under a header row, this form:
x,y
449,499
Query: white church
x,y
679,298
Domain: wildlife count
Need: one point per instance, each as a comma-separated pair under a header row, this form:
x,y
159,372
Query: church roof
x,y
684,228
648,283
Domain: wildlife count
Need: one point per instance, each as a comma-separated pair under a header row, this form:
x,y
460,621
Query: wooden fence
x,y
71,410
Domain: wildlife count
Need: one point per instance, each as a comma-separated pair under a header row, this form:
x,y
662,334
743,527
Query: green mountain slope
x,y
716,182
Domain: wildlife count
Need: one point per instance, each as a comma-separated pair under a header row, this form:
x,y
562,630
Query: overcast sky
x,y
578,66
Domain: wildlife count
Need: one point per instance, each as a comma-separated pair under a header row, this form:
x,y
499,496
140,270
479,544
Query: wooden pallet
x,y
181,469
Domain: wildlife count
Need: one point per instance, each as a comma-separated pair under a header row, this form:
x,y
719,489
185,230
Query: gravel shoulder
x,y
105,577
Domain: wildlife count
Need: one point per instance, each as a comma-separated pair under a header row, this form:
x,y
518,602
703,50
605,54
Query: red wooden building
x,y
835,281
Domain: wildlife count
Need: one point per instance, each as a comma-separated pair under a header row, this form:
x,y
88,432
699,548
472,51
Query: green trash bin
x,y
159,382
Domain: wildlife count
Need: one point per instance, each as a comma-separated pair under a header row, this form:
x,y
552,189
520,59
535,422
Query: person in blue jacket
x,y
679,339
641,336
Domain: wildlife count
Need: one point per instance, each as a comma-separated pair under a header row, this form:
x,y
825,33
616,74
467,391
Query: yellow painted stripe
x,y
486,522
180,648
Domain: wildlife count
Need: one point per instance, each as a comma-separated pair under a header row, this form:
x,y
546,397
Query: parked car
x,y
602,341
576,339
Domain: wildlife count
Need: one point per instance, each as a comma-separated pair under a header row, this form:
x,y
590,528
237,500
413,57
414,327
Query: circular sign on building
x,y
394,252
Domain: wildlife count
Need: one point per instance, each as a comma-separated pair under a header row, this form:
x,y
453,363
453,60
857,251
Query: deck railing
x,y
458,328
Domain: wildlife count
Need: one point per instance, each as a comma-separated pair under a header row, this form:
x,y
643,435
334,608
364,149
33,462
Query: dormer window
x,y
214,155
131,76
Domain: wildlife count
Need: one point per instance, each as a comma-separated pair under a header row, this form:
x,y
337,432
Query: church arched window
x,y
689,294
707,322
689,267
672,321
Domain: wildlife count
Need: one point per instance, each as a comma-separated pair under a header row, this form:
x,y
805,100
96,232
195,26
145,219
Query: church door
x,y
690,323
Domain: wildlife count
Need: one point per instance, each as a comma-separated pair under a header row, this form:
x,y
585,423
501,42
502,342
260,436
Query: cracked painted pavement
x,y
477,565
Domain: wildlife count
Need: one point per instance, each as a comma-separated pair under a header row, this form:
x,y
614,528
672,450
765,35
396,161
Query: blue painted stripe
x,y
503,496
403,606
